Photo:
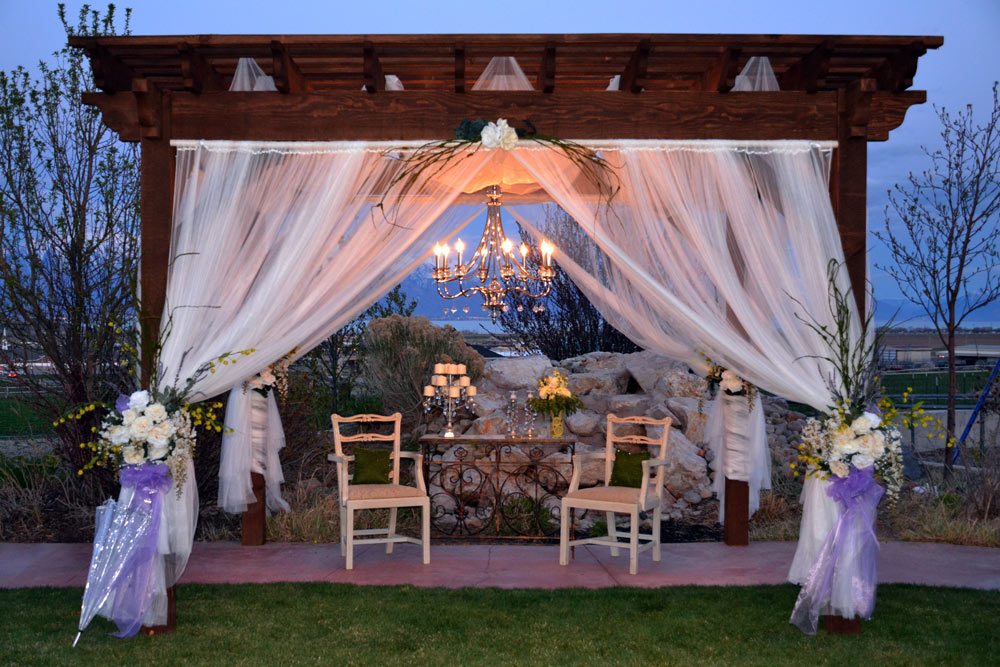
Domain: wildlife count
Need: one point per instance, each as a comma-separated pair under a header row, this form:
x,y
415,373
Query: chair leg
x,y
392,529
343,532
425,533
612,532
565,515
657,528
633,543
350,538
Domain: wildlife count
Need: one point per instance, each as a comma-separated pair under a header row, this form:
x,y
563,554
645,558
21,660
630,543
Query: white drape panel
x,y
721,248
502,73
738,439
278,246
252,443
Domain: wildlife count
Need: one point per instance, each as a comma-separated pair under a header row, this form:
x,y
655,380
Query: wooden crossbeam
x,y
897,71
374,77
855,105
149,108
547,72
199,75
722,76
634,77
459,68
110,73
809,73
287,75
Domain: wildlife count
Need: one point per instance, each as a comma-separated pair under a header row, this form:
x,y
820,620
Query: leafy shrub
x,y
399,354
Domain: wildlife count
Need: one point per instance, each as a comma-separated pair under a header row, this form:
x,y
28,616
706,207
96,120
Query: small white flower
x,y
490,136
117,434
139,400
141,427
508,135
839,468
731,381
156,412
133,455
862,461
129,416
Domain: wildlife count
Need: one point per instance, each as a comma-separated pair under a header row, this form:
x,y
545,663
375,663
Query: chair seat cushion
x,y
382,491
607,494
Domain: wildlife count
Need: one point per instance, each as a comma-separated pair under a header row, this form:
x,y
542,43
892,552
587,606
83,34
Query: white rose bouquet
x,y
554,397
833,446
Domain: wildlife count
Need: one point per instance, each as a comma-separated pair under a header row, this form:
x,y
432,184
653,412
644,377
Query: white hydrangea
x,y
138,400
498,135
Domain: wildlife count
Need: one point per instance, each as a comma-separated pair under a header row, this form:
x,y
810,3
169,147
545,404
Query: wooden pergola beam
x,y
809,73
287,75
547,71
374,76
199,75
459,68
634,76
722,76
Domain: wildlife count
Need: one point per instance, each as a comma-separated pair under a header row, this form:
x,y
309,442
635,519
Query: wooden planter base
x,y
838,625
254,522
171,623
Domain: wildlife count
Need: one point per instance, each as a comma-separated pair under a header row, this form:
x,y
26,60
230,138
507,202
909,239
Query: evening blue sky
x,y
960,72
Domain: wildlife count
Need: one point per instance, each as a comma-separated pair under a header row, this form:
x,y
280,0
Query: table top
x,y
495,440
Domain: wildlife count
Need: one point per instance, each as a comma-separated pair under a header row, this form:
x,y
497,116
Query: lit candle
x,y
460,369
439,368
524,251
459,247
470,390
428,390
453,369
445,251
507,245
439,381
464,381
437,255
454,392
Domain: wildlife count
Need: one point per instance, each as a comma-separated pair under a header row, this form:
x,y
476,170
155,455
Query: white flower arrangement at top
x,y
834,445
274,376
720,377
498,135
141,430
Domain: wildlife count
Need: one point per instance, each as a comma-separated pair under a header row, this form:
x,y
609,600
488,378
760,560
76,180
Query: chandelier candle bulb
x,y
459,247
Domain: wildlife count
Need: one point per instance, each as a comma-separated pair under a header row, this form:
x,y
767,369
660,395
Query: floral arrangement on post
x,y
555,400
271,377
153,426
857,450
721,377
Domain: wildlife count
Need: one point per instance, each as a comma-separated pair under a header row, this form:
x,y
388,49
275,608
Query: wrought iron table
x,y
496,487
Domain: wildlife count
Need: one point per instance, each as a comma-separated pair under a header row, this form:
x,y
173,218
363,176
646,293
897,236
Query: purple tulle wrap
x,y
848,560
133,592
121,405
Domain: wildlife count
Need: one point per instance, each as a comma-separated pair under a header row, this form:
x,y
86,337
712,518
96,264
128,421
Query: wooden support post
x,y
838,625
849,191
254,520
171,623
737,529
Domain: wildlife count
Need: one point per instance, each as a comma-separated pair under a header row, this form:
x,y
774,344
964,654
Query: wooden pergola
x,y
851,89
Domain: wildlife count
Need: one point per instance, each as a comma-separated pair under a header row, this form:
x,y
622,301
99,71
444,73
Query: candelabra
x,y
520,417
449,390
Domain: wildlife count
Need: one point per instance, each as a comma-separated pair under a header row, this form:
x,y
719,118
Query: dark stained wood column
x,y
156,199
849,184
253,525
737,528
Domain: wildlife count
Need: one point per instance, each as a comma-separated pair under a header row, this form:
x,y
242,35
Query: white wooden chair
x,y
354,497
619,499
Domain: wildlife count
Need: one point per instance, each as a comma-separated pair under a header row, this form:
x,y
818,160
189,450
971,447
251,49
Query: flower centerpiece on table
x,y
555,400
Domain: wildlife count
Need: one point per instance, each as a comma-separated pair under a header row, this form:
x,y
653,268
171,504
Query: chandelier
x,y
495,265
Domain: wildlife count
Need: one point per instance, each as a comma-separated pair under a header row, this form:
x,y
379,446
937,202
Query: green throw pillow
x,y
627,469
372,466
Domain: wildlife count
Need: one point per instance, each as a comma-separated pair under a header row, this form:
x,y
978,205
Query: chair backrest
x,y
339,439
614,439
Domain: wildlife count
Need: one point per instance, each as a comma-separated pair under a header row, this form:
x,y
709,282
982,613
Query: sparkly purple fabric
x,y
848,558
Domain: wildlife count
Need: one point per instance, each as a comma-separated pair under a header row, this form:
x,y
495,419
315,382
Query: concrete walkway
x,y
508,566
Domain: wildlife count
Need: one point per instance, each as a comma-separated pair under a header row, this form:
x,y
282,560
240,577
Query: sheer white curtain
x,y
276,246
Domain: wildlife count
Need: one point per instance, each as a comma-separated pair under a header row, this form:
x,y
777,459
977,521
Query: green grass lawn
x,y
17,418
281,624
934,382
